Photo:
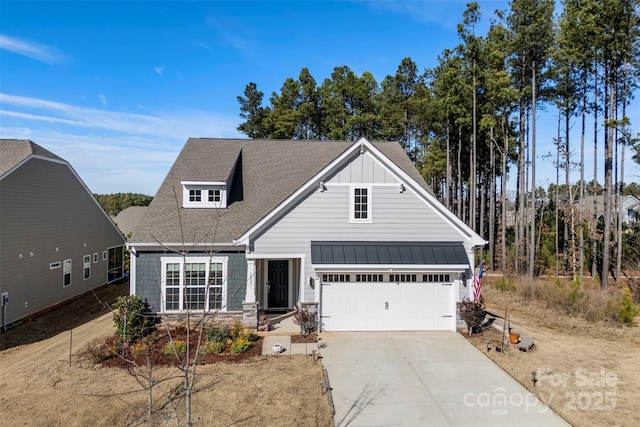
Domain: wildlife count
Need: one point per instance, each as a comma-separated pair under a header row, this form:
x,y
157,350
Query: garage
x,y
388,286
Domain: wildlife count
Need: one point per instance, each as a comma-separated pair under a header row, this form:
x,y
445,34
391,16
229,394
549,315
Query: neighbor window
x,y
360,209
95,257
115,269
86,265
66,273
196,283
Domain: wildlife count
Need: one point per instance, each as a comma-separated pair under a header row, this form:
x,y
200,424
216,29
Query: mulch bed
x,y
299,339
157,358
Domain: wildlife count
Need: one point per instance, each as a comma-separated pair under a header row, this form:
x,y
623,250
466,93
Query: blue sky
x,y
117,87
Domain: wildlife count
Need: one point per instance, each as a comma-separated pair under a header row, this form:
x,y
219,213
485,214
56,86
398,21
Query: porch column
x,y
249,305
250,295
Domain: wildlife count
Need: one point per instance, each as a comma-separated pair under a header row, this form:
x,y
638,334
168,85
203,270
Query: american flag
x,y
477,283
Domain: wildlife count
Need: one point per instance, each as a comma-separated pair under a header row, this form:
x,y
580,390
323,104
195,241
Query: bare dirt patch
x,y
587,372
42,385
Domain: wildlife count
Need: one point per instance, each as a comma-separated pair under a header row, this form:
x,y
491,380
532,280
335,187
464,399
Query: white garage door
x,y
350,306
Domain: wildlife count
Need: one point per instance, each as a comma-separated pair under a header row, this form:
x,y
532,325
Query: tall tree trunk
x,y
521,193
532,249
473,190
608,166
581,202
449,186
558,145
503,195
594,227
492,202
460,195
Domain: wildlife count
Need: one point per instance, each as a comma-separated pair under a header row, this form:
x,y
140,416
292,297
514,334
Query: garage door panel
x,y
387,306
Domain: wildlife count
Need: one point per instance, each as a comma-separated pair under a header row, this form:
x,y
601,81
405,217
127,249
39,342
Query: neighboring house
x,y
350,227
128,219
630,208
56,242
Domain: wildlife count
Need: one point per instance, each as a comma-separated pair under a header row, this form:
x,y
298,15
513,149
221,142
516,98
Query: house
x,y
630,207
56,242
127,219
244,226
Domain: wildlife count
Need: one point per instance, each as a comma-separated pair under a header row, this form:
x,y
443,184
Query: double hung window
x,y
195,283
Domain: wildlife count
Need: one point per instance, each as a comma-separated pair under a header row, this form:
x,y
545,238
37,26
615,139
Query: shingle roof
x,y
13,151
129,218
266,172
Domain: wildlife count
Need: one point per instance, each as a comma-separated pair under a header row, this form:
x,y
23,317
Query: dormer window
x,y
204,194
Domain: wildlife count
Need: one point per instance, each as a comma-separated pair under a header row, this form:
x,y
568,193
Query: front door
x,y
278,286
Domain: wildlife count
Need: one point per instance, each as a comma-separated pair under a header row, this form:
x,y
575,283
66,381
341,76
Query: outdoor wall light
x,y
534,377
322,187
402,188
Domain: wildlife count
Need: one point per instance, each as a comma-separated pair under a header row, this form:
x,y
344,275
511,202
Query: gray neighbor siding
x,y
47,216
324,216
148,277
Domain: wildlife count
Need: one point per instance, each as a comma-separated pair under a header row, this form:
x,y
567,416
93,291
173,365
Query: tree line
x,y
470,121
114,203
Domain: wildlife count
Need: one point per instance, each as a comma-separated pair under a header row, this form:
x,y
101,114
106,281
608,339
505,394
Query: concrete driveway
x,y
423,379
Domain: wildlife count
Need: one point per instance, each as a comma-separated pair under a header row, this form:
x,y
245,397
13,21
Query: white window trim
x,y
86,265
95,257
207,260
204,188
352,190
67,268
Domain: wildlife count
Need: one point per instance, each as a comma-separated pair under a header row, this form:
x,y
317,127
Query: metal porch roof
x,y
389,253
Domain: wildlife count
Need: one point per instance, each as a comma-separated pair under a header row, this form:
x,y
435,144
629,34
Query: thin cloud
x,y
173,124
30,49
158,70
202,45
100,143
103,99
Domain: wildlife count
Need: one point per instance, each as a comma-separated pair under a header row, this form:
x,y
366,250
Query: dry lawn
x,y
40,386
587,372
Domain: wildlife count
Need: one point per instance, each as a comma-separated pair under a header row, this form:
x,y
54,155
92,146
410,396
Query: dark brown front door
x,y
278,284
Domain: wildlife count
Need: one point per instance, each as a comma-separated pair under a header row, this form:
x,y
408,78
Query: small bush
x,y
307,319
627,310
237,330
174,347
213,347
240,345
132,317
505,285
472,313
97,350
220,334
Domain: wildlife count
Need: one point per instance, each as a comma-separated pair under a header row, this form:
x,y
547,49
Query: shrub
x,y
472,312
307,319
505,285
97,350
213,347
240,345
627,310
132,317
220,334
237,330
174,347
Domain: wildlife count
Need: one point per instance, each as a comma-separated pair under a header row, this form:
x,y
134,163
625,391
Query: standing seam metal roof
x,y
388,253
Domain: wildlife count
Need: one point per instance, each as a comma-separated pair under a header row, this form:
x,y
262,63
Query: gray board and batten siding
x,y
325,216
48,216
